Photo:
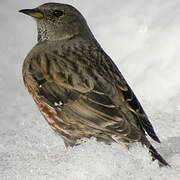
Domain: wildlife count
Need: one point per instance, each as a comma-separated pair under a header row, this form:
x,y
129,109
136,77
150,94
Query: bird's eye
x,y
58,13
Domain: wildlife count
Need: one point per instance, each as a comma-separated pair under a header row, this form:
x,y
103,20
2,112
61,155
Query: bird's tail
x,y
155,155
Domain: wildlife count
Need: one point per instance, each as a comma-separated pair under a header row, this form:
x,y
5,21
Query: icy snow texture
x,y
143,38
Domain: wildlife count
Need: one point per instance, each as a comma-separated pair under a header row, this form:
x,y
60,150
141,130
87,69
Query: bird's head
x,y
58,21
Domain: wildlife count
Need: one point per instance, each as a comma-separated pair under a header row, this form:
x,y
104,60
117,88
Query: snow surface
x,y
143,38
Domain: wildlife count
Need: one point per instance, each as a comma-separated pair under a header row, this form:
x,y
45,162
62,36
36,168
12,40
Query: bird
x,y
77,87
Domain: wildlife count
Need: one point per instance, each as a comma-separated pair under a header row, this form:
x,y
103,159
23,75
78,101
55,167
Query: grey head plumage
x,y
59,21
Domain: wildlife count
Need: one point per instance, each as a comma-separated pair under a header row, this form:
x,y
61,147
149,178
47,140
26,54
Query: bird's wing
x,y
131,102
133,105
73,82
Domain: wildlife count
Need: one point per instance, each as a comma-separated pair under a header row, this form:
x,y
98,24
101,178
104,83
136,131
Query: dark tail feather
x,y
155,155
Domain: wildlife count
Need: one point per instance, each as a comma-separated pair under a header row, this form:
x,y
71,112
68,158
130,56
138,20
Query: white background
x,y
143,38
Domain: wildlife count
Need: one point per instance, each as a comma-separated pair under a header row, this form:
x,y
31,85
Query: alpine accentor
x,y
77,87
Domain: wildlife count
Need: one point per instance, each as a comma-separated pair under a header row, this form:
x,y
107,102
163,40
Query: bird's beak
x,y
36,13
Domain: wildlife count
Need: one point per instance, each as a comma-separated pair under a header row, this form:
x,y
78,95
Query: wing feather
x,y
134,106
106,104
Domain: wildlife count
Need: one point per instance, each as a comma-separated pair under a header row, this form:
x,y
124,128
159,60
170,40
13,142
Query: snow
x,y
143,38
